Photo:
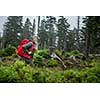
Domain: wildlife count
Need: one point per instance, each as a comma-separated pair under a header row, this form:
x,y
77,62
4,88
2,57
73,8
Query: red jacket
x,y
21,52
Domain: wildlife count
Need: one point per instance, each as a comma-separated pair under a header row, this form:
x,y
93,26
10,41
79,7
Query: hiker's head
x,y
35,39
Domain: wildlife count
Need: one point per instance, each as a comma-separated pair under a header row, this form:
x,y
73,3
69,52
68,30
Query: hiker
x,y
27,48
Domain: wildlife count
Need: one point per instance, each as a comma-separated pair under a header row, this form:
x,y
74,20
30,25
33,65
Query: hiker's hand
x,y
29,53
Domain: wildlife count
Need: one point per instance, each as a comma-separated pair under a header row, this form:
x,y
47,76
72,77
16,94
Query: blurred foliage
x,y
44,53
18,72
8,51
73,53
52,63
48,70
58,52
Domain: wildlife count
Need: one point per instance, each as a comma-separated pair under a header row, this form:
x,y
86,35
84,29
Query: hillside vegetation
x,y
47,70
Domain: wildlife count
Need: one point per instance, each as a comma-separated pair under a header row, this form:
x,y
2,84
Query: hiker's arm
x,y
36,46
32,48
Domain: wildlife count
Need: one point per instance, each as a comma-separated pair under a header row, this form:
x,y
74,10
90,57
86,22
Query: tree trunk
x,y
38,23
78,28
87,44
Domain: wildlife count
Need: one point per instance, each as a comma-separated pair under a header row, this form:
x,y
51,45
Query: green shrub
x,y
10,50
3,53
44,53
16,73
8,74
67,54
68,75
39,77
57,77
38,60
75,53
90,75
7,51
14,55
92,79
24,72
59,53
72,53
52,63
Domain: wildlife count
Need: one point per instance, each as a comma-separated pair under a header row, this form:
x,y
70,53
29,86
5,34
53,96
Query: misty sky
x,y
71,19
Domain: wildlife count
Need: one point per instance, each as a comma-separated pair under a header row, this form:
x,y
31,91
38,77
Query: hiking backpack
x,y
20,47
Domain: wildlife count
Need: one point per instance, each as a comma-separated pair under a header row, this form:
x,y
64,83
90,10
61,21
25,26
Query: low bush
x,y
38,60
3,53
44,53
75,53
59,53
52,63
8,51
18,72
67,54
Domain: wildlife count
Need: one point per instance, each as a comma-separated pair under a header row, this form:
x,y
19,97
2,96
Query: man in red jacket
x,y
27,48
